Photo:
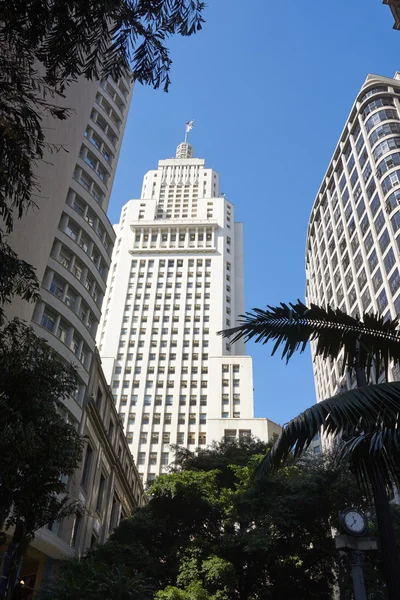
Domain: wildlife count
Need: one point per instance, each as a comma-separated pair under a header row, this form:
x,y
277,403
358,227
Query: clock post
x,y
353,541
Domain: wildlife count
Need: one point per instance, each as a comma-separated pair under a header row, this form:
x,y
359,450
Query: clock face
x,y
355,521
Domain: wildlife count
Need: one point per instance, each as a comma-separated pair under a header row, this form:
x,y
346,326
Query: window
x,y
373,260
382,301
377,280
390,181
384,240
389,261
57,288
394,282
48,321
100,494
87,466
76,528
378,117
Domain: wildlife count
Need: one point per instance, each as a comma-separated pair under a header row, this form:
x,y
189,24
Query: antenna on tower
x,y
189,127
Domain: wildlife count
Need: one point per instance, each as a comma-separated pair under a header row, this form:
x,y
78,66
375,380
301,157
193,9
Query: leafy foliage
x,y
372,341
17,278
46,44
37,446
97,39
367,417
65,40
214,532
89,580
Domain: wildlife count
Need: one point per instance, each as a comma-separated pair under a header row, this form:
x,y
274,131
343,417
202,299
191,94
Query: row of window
x,y
173,237
169,400
155,438
67,294
156,418
72,230
82,208
184,383
66,333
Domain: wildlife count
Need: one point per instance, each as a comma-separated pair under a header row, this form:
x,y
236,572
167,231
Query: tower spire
x,y
185,150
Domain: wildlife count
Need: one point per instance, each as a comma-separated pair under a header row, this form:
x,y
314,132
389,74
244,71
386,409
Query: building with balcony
x,y
69,240
353,238
175,280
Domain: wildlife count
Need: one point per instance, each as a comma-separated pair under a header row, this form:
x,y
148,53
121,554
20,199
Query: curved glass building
x,y
353,238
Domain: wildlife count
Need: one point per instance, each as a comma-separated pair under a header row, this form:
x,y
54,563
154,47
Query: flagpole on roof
x,y
188,127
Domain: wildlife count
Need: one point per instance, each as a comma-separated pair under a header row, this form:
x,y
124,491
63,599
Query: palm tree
x,y
366,420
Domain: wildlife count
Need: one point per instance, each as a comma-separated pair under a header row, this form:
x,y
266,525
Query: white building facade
x,y
176,279
353,241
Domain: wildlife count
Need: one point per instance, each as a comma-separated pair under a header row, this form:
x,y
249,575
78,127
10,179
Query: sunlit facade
x,y
353,239
176,279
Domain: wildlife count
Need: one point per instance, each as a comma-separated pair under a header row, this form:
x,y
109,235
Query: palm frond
x,y
371,415
372,340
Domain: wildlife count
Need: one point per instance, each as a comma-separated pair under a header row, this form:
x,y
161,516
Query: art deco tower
x,y
176,279
353,241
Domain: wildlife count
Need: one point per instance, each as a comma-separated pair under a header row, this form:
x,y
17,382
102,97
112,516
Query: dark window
x,y
368,242
362,279
361,208
100,495
371,188
389,261
375,204
394,282
99,398
379,222
87,466
373,261
377,280
364,225
384,240
382,300
366,299
395,220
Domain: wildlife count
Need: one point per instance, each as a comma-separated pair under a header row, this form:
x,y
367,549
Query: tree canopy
x,y
44,45
38,448
213,531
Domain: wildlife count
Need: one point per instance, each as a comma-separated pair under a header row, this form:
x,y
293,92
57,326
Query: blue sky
x,y
270,85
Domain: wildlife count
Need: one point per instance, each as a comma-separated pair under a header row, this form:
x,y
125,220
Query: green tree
x,y
365,420
214,532
38,448
90,580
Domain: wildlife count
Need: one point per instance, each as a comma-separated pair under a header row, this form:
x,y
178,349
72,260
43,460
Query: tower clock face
x,y
354,521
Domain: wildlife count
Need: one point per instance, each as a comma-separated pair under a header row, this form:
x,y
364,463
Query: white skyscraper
x,y
176,279
353,240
